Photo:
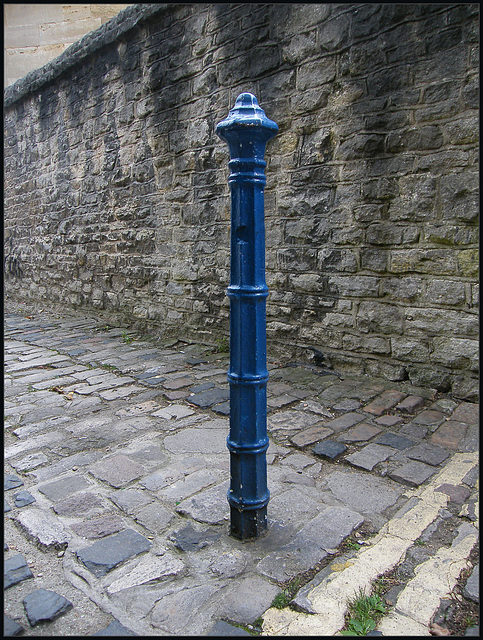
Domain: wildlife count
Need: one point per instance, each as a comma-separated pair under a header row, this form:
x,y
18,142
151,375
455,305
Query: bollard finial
x,y
247,113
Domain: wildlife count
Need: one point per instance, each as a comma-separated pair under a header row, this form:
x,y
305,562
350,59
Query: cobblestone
x,y
131,490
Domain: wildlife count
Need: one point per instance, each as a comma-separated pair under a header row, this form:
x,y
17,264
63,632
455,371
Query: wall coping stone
x,y
106,34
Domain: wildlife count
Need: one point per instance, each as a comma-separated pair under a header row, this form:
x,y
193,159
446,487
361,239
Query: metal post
x,y
247,130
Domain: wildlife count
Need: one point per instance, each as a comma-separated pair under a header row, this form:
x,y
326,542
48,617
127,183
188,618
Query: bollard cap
x,y
247,114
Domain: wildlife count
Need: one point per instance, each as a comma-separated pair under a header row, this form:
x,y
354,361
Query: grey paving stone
x,y
310,435
329,449
209,506
115,628
467,412
360,433
154,517
369,456
394,440
348,404
365,493
98,527
15,570
344,422
45,605
130,500
79,504
413,473
246,599
181,612
12,482
200,440
60,489
105,554
188,539
416,431
118,471
222,409
23,498
209,397
202,387
11,628
291,419
222,628
229,564
428,453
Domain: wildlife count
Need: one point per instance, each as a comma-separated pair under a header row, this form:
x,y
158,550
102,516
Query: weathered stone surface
x,y
450,434
30,462
79,504
456,493
188,539
23,498
360,433
43,605
118,471
310,435
467,412
154,517
105,554
115,628
428,453
229,564
413,473
385,401
362,492
369,456
176,612
64,487
209,506
222,628
12,482
10,627
291,419
410,404
472,587
44,528
15,569
98,527
148,570
245,600
329,449
200,440
130,500
344,422
394,440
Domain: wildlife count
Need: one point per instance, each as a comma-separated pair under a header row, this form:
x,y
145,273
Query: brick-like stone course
x,y
116,195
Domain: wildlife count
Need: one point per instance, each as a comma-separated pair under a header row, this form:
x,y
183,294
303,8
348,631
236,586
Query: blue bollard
x,y
247,130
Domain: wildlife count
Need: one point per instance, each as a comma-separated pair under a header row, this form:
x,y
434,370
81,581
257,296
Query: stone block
x,y
15,570
64,487
44,605
385,401
344,422
118,471
329,449
369,456
428,453
105,554
394,440
449,434
413,474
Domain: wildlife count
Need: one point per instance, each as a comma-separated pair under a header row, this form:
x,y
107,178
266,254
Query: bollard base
x,y
248,524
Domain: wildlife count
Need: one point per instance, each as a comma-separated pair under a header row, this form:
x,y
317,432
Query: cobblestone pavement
x,y
116,474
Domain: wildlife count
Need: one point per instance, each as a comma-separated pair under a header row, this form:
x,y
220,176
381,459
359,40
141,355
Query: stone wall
x,y
116,194
34,34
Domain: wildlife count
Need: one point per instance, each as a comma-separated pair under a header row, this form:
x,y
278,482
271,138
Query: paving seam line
x,y
329,599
